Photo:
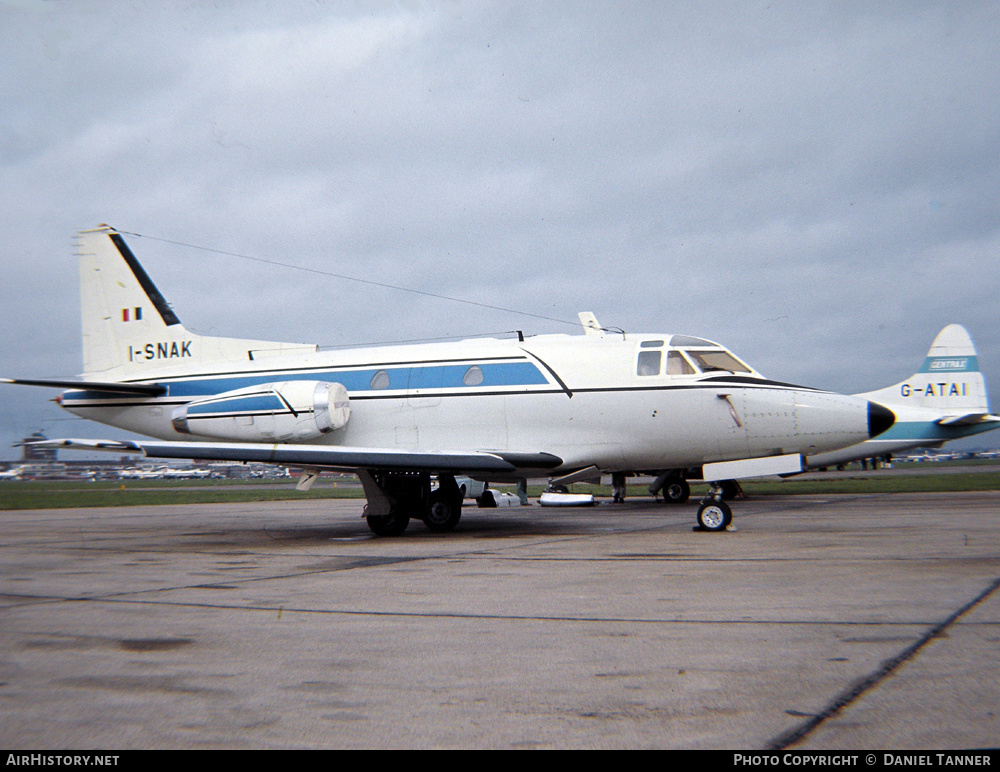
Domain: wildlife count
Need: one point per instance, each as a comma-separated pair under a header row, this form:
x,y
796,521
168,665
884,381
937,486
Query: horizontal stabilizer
x,y
322,456
148,389
971,419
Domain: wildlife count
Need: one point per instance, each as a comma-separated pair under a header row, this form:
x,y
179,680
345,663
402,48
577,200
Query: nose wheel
x,y
714,516
713,513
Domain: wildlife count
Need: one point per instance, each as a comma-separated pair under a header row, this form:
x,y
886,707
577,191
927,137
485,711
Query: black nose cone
x,y
879,418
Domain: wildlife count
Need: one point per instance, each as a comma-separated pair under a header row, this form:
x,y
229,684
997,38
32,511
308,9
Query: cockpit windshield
x,y
688,356
717,360
681,341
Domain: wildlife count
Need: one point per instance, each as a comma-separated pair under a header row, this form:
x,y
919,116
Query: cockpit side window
x,y
649,362
678,365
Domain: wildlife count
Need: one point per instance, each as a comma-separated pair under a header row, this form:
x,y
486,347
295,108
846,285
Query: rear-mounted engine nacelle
x,y
270,412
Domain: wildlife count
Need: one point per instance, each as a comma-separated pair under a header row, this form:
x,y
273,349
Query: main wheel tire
x,y
676,491
442,514
392,524
714,516
730,489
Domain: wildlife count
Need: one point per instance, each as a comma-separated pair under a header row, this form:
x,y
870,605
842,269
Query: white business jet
x,y
568,407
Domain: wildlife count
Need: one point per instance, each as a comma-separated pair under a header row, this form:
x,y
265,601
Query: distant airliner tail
x,y
129,329
948,382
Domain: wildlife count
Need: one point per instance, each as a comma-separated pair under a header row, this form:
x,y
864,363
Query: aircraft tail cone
x,y
880,418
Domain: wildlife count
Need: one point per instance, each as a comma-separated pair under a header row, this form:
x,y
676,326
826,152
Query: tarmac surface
x,y
824,621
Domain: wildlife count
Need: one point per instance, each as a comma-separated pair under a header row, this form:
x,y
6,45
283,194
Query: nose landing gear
x,y
713,513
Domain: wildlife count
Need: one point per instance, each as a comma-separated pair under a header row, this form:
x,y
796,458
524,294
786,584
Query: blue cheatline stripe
x,y
400,378
251,403
967,364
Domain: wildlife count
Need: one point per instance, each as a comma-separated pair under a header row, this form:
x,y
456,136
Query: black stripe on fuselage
x,y
552,372
746,380
701,385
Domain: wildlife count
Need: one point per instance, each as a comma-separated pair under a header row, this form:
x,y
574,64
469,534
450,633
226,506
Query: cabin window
x,y
649,363
473,376
380,380
678,365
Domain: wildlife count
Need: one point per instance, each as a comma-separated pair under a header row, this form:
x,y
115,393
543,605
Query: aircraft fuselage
x,y
590,400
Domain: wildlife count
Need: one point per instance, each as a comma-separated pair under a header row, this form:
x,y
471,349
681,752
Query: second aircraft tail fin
x,y
949,381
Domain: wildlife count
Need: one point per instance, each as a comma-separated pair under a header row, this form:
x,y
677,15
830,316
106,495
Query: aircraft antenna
x,y
371,282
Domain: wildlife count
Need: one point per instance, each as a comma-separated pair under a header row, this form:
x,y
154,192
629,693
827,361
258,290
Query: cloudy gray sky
x,y
813,184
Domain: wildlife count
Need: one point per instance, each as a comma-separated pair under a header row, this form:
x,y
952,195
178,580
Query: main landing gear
x,y
674,487
676,491
408,495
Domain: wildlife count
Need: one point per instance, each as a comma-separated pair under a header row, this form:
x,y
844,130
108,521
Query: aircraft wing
x,y
333,457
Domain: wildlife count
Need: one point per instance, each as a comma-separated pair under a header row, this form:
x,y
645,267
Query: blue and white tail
x,y
949,381
129,329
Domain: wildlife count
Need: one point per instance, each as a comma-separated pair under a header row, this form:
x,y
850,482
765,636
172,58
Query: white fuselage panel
x,y
581,398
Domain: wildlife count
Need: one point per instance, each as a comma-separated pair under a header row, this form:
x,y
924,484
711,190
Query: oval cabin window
x,y
473,376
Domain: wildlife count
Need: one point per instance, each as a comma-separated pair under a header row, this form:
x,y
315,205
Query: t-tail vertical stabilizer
x,y
949,381
129,329
944,400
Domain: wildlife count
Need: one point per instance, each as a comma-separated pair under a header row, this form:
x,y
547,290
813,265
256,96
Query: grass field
x,y
57,494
